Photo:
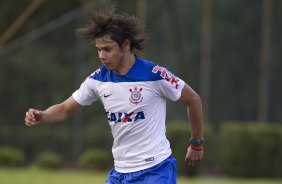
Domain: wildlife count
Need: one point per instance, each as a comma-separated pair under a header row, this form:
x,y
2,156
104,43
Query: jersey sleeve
x,y
170,86
87,93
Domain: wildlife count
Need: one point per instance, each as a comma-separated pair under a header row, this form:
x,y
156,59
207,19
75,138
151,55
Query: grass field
x,y
36,176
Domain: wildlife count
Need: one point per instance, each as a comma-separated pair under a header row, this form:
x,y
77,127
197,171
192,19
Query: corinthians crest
x,y
136,96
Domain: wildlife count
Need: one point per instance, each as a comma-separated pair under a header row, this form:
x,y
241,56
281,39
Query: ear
x,y
126,45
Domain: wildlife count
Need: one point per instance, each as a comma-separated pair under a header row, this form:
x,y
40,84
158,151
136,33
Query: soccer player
x,y
133,92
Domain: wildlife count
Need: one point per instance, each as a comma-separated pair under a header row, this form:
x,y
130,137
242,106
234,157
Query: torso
x,y
135,105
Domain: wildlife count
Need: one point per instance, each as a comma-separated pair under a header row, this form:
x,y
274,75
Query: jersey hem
x,y
147,166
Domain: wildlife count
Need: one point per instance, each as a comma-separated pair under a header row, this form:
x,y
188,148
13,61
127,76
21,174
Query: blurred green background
x,y
227,51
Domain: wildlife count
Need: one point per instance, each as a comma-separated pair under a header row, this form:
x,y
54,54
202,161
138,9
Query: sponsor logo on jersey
x,y
135,96
167,75
107,95
123,117
96,72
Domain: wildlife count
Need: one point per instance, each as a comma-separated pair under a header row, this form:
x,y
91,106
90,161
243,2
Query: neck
x,y
128,60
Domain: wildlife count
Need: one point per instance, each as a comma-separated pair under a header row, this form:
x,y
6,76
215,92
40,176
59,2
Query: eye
x,y
107,49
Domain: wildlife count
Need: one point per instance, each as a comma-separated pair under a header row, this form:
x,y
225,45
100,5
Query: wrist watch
x,y
196,142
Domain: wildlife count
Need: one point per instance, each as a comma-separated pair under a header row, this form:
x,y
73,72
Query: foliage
x,y
178,135
251,150
67,139
44,71
11,157
97,159
49,160
33,140
47,70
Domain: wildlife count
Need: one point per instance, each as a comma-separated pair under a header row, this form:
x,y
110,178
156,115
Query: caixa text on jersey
x,y
123,117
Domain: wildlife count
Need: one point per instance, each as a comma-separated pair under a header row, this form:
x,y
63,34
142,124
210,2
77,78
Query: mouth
x,y
107,64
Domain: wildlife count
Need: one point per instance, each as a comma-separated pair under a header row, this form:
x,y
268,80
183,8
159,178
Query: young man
x,y
133,92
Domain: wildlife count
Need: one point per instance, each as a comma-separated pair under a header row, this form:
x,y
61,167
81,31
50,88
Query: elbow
x,y
190,97
196,99
69,113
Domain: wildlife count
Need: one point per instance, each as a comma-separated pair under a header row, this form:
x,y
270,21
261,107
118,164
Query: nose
x,y
101,55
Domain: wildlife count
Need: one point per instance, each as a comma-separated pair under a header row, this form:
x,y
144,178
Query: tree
x,y
263,86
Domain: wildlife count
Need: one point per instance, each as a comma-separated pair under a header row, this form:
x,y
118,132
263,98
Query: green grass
x,y
38,176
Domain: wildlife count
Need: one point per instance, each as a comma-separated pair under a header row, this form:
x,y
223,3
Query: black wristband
x,y
196,142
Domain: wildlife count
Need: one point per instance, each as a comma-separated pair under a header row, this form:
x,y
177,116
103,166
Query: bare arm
x,y
194,110
55,113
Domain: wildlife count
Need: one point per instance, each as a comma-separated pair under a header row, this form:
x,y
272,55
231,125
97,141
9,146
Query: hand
x,y
193,156
33,117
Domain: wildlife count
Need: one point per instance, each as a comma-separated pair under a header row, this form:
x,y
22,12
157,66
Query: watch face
x,y
196,142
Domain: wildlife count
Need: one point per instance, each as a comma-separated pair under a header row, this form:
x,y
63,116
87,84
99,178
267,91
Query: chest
x,y
126,96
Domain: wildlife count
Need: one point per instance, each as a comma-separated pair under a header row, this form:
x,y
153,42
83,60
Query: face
x,y
109,52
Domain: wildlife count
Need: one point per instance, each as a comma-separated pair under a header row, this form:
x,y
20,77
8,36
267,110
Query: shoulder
x,y
161,73
156,71
146,70
100,74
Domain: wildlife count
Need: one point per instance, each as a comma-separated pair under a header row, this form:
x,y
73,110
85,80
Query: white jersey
x,y
135,105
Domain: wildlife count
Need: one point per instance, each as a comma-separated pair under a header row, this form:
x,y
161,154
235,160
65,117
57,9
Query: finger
x,y
27,123
30,124
32,112
191,163
29,118
36,112
30,115
37,115
188,159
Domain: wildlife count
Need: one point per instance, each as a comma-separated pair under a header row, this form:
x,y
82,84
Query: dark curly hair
x,y
119,27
